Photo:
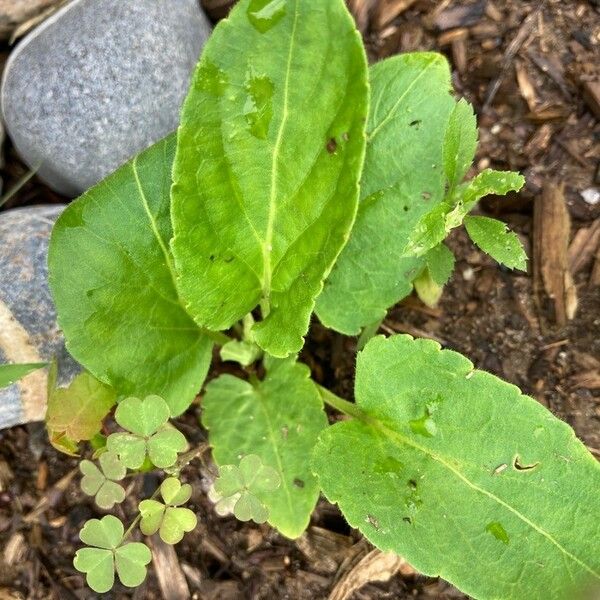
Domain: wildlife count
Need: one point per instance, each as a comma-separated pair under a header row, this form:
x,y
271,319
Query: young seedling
x,y
148,433
106,552
239,488
168,517
300,180
102,482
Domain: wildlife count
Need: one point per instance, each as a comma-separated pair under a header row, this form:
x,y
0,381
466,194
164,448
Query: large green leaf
x,y
270,149
462,475
278,420
403,178
111,276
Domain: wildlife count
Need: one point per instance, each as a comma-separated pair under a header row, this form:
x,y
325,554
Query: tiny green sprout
x,y
238,486
107,552
101,482
148,433
168,518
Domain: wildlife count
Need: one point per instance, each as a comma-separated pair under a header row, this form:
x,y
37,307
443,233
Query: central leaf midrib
x,y
268,243
401,439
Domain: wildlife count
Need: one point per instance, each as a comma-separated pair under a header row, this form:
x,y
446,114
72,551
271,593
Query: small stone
x,y
28,328
97,82
591,196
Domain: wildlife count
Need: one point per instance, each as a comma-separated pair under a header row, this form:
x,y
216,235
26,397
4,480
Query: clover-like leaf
x,y
101,483
148,433
106,552
168,518
244,482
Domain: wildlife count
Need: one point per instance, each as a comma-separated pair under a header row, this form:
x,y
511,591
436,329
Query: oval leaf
x,y
269,153
462,475
111,277
402,179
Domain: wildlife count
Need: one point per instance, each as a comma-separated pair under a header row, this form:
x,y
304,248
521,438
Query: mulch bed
x,y
532,70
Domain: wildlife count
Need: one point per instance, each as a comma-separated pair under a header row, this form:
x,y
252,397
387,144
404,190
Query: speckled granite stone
x,y
28,329
98,82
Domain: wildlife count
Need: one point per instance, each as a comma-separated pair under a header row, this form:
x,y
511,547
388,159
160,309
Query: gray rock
x,y
28,329
97,82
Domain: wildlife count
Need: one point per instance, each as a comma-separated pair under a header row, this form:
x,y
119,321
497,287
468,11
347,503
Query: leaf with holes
x,y
148,433
244,488
460,143
168,518
402,180
102,482
11,373
111,277
463,476
494,238
269,153
243,418
106,552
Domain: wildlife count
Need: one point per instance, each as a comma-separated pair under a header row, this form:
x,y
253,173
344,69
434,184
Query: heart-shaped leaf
x,y
168,519
103,533
240,485
130,561
150,434
107,552
143,417
101,483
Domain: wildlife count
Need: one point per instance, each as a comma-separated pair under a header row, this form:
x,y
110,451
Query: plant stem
x,y
217,337
138,517
367,333
348,408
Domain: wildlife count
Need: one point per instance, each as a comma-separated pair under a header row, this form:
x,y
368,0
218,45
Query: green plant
x,y
302,181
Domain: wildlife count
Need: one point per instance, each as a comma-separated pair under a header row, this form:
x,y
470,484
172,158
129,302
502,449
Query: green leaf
x,y
101,483
111,277
150,434
435,226
77,411
245,419
168,519
402,180
243,487
99,567
463,476
440,263
11,373
270,149
109,552
460,143
130,561
494,238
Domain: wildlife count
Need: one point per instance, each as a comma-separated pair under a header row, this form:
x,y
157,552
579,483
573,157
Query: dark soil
x,y
488,313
